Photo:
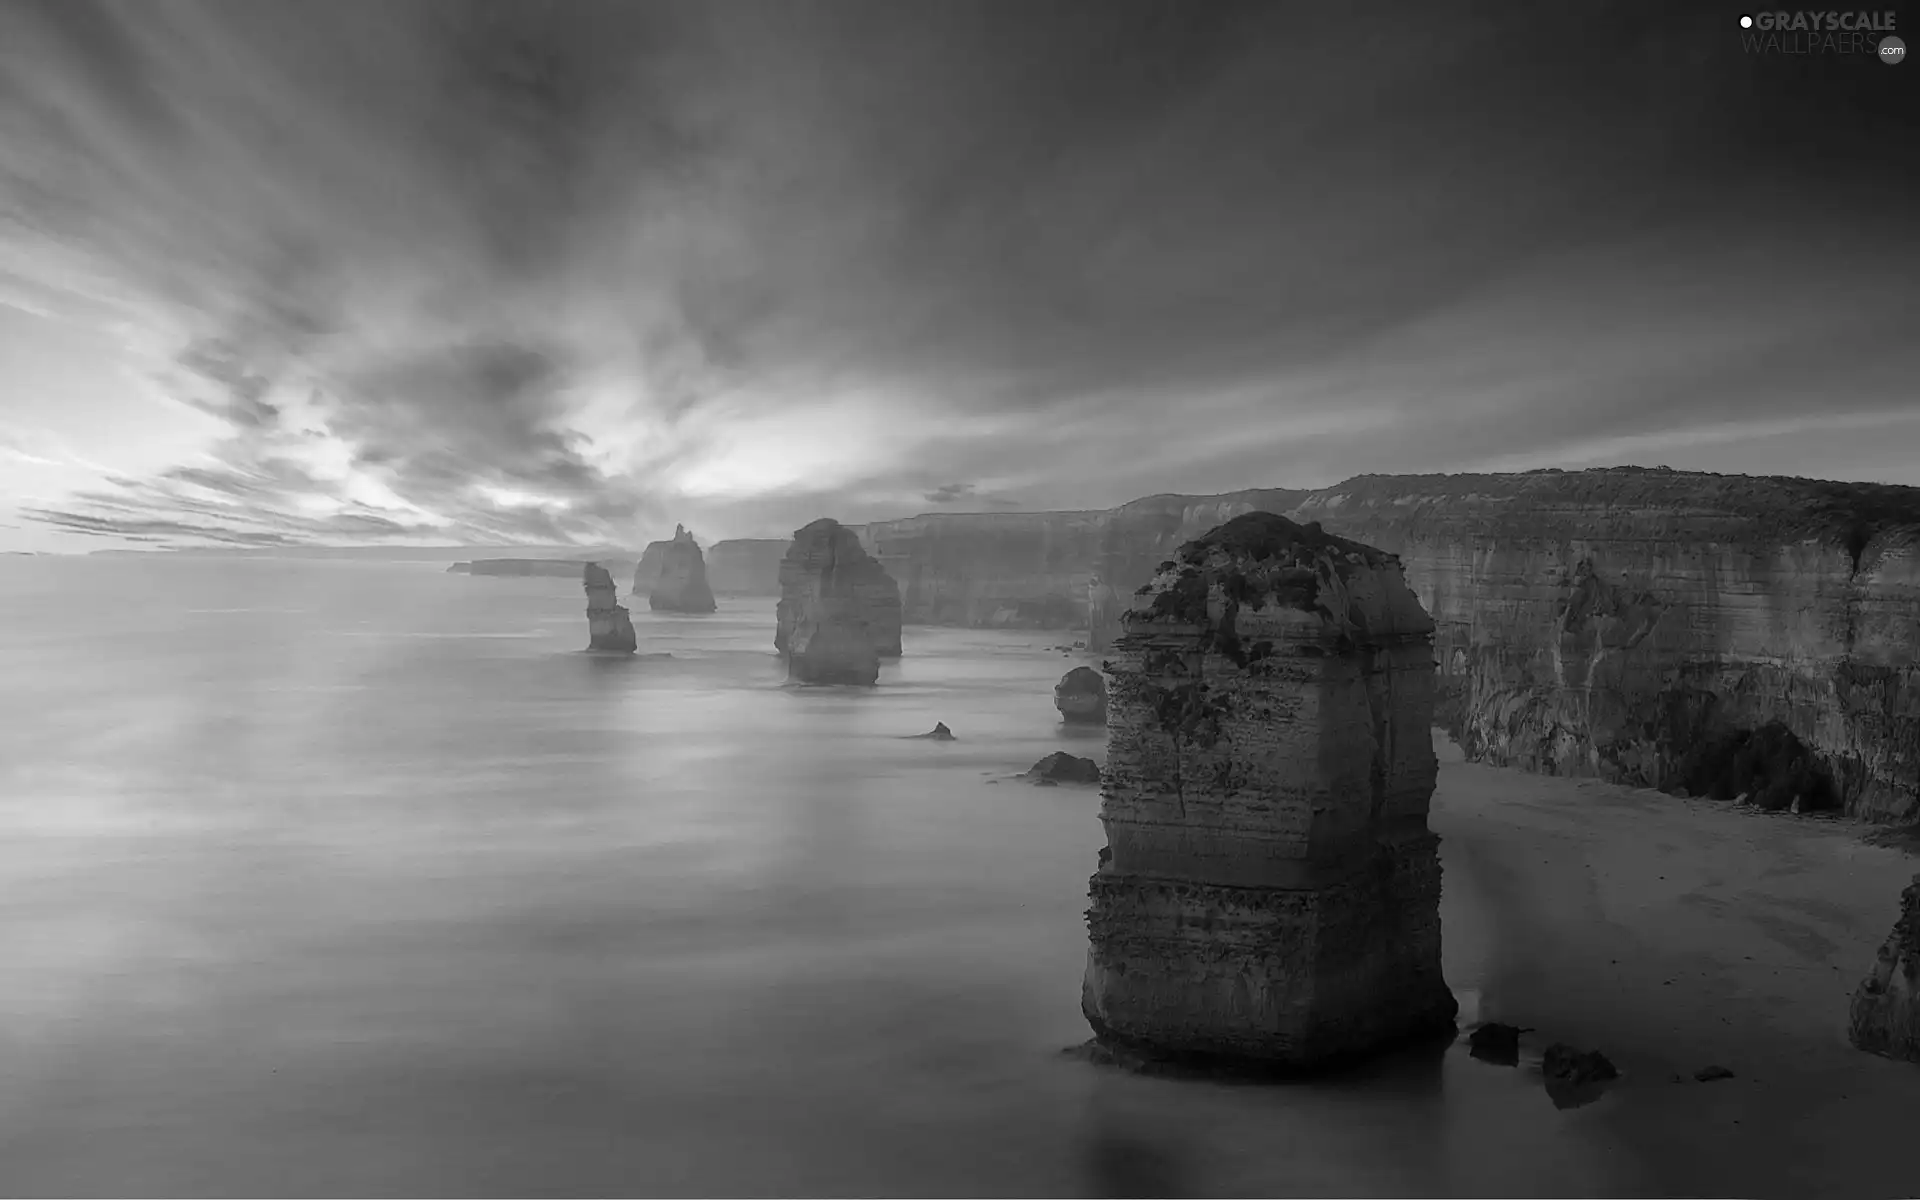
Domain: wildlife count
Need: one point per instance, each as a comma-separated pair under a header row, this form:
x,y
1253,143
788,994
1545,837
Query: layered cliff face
x,y
745,566
1651,627
1885,1015
1081,697
608,626
839,613
1043,570
681,585
1270,892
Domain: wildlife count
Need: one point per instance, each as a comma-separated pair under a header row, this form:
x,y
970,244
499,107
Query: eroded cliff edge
x,y
1270,892
1626,623
1638,625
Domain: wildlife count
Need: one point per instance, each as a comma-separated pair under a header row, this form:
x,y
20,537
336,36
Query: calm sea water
x,y
348,878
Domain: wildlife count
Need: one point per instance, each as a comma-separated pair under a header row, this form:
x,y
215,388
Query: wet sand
x,y
1673,934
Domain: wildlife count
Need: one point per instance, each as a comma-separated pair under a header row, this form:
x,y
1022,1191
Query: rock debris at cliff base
x,y
1884,1017
1270,891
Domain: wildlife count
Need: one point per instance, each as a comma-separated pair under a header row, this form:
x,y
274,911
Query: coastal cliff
x,y
680,585
1638,625
745,566
839,613
1668,629
1270,892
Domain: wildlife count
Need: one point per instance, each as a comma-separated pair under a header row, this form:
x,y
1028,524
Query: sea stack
x,y
608,627
1270,896
832,625
1081,697
1885,1015
681,585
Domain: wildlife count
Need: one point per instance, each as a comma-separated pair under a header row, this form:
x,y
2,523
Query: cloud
x,y
574,271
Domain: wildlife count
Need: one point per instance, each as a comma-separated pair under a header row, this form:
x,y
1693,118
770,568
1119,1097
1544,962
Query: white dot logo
x,y
1892,51
1746,22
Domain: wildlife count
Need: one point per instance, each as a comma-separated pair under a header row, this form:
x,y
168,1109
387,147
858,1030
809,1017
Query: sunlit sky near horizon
x,y
546,272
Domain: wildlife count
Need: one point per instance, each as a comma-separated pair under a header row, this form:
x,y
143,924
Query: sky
x,y
494,273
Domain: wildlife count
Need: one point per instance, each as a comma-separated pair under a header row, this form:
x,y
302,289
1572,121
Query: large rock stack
x,y
608,627
839,613
1270,893
681,585
1885,1016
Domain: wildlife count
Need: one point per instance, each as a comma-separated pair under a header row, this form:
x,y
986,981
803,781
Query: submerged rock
x,y
1712,1073
1272,896
832,624
1081,696
608,626
1061,767
1496,1043
1576,1068
681,583
1884,1017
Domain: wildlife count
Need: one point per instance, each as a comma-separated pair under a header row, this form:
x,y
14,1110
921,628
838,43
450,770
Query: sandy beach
x,y
1672,934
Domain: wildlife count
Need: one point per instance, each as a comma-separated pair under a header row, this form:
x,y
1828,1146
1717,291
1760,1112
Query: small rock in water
x,y
1061,767
1564,1063
1496,1043
1046,783
1712,1072
939,733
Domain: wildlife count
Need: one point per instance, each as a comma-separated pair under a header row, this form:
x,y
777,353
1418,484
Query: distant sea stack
x,y
1885,1014
834,622
681,584
1270,894
1081,697
608,626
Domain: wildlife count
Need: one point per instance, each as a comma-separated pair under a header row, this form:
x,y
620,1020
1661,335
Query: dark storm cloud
x,y
1091,249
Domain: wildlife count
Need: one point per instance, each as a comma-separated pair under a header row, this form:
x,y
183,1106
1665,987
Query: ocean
x,y
347,878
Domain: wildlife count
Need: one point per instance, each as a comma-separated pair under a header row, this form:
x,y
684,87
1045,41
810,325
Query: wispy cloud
x,y
575,271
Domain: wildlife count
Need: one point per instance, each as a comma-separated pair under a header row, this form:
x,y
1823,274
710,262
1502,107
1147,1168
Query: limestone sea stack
x,y
1270,894
608,627
1081,697
681,585
1885,1015
832,625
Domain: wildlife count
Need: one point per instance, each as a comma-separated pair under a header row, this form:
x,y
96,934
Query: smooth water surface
x,y
349,878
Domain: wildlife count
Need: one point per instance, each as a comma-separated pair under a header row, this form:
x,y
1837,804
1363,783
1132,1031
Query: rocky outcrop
x,y
745,566
558,568
834,621
829,582
1061,767
608,627
1269,896
1081,697
1668,629
1885,1014
460,568
680,584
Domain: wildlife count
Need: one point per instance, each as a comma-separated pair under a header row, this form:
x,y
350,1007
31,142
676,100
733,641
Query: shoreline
x,y
1673,934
